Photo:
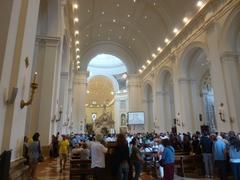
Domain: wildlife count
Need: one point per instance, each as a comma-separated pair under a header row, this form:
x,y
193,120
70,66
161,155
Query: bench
x,y
185,164
80,168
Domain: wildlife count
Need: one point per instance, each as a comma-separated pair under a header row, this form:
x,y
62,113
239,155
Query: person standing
x,y
206,146
98,152
121,158
136,158
33,154
234,154
168,159
63,152
219,152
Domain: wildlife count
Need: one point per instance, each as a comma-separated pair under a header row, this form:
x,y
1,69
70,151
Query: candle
x,y
34,77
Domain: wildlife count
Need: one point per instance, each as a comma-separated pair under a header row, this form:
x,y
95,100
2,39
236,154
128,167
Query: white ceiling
x,y
138,27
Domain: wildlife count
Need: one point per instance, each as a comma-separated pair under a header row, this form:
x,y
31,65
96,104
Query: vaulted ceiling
x,y
138,27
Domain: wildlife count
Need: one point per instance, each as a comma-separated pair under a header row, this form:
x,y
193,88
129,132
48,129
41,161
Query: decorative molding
x,y
229,56
203,20
48,40
64,75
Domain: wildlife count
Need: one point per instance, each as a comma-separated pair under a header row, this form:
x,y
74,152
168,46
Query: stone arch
x,y
165,98
193,49
113,49
192,67
231,31
148,106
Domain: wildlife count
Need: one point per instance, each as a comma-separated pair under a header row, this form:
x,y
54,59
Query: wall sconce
x,y
221,112
34,86
60,114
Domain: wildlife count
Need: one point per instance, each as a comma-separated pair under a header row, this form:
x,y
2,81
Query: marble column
x,y
134,99
161,121
186,113
79,100
232,84
47,88
20,44
63,101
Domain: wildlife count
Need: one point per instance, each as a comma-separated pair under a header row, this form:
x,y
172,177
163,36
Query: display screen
x,y
135,117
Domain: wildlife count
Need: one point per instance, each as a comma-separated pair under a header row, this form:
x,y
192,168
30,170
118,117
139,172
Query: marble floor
x,y
50,170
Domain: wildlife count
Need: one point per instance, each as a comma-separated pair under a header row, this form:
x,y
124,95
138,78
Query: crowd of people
x,y
216,150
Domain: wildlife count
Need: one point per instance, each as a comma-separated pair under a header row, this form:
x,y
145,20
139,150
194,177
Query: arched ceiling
x,y
137,26
99,91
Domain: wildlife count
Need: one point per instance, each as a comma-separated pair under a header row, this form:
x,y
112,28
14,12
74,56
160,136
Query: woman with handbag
x,y
168,159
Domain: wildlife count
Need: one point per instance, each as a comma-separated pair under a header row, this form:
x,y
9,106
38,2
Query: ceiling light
x,y
88,91
199,4
76,32
117,5
159,49
175,30
124,76
103,12
129,15
154,4
185,20
134,1
78,62
78,67
145,17
76,20
76,42
140,70
88,10
148,61
86,35
114,20
75,6
112,93
100,25
77,50
154,55
143,66
133,39
124,27
166,40
78,56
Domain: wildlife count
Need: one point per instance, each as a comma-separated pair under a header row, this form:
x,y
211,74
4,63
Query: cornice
x,y
229,56
212,11
48,40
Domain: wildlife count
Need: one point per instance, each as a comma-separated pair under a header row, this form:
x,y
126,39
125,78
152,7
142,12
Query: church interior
x,y
74,70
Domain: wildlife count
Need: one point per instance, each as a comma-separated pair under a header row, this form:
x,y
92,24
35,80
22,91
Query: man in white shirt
x,y
98,151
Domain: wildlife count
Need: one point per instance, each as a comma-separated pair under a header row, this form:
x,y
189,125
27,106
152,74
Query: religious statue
x,y
104,122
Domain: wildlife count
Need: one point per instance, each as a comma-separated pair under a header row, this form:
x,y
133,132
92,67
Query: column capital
x,y
185,80
162,93
64,75
229,56
50,41
81,77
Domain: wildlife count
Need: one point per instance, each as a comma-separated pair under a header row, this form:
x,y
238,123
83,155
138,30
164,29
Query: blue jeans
x,y
221,166
123,171
235,170
208,164
138,169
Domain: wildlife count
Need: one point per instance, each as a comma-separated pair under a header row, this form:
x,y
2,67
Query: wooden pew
x,y
79,168
185,164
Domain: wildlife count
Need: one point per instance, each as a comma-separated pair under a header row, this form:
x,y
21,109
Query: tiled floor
x,y
50,170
